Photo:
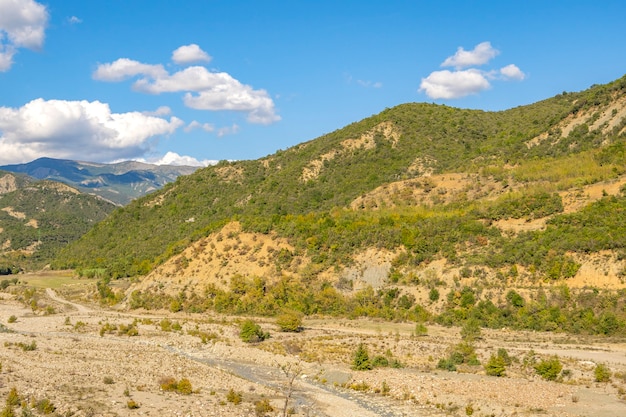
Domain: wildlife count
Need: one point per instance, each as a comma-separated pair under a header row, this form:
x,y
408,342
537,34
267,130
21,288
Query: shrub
x,y
602,373
44,406
250,332
471,330
108,380
13,398
128,330
380,362
290,321
184,387
361,360
446,364
132,405
549,369
420,330
234,397
7,411
12,319
262,406
27,347
495,366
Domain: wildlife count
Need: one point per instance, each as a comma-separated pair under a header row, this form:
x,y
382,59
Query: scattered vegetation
x,y
183,386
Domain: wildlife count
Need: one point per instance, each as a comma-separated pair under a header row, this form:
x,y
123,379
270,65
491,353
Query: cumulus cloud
x,y
453,84
480,55
187,54
124,68
77,130
74,20
22,25
204,89
207,127
461,82
512,72
172,158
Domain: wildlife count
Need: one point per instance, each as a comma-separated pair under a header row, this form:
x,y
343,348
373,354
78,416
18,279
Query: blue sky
x,y
200,81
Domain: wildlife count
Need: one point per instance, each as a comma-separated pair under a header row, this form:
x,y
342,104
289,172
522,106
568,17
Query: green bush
x,y
421,330
495,366
361,359
446,364
12,319
602,373
290,321
250,332
549,369
44,406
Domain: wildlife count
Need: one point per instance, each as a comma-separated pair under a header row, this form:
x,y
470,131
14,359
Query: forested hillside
x,y
536,150
37,218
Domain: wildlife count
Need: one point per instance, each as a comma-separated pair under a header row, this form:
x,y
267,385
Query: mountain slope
x,y
534,150
119,182
37,218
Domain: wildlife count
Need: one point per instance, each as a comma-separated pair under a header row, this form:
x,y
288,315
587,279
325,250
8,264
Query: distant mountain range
x,y
119,183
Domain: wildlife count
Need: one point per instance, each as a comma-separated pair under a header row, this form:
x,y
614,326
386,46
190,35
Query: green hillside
x,y
405,142
37,218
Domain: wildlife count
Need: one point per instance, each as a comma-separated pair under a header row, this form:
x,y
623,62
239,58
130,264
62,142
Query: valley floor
x,y
77,358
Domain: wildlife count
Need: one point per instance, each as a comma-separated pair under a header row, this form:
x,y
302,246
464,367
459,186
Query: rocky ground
x,y
85,361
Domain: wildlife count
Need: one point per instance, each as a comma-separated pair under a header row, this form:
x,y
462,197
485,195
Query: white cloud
x,y
161,111
207,127
447,84
204,89
480,55
22,25
453,84
125,68
77,130
228,130
172,158
74,20
512,72
187,54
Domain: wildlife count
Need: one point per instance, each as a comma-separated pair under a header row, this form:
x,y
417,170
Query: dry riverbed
x,y
86,362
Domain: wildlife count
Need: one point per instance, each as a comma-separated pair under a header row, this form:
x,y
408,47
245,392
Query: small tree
x,y
433,295
495,366
361,360
291,371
